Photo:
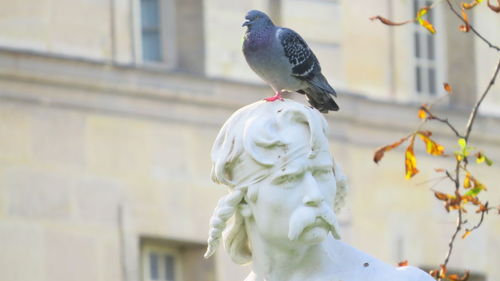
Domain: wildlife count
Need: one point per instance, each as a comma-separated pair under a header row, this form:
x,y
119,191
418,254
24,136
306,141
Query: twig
x,y
471,27
442,120
460,222
452,240
481,219
457,176
478,103
449,176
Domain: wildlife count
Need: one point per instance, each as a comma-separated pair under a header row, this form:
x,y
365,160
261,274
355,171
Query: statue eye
x,y
323,173
285,178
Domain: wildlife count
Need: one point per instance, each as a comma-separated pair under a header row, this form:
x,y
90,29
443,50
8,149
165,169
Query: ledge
x,y
99,86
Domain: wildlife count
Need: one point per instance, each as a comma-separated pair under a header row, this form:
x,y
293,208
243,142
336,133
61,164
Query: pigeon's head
x,y
256,18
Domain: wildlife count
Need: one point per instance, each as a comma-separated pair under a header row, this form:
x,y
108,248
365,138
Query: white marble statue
x,y
284,192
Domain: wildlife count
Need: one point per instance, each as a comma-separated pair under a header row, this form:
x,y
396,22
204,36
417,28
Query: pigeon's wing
x,y
302,60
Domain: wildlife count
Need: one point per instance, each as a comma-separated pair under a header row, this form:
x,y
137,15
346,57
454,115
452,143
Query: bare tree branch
x,y
456,202
460,221
471,27
442,120
452,240
456,178
450,176
481,219
478,103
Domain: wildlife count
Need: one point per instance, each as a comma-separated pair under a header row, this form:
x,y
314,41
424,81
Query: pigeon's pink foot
x,y
275,97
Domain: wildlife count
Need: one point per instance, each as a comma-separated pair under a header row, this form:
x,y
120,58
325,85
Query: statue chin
x,y
314,234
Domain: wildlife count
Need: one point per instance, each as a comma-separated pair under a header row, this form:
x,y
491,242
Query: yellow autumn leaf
x,y
427,25
423,22
432,147
479,158
422,12
410,160
471,4
422,114
467,180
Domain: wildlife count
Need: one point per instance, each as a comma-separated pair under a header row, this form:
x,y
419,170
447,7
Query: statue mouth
x,y
304,219
319,222
307,225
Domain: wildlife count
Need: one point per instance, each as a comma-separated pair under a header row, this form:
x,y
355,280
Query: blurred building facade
x,y
108,110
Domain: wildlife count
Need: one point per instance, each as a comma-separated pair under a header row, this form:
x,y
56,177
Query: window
x,y
170,34
170,260
161,263
151,31
425,54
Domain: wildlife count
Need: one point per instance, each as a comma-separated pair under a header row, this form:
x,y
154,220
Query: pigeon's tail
x,y
319,81
319,95
320,99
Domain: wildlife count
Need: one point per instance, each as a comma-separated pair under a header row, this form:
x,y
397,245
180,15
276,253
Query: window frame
x,y
439,61
147,248
167,28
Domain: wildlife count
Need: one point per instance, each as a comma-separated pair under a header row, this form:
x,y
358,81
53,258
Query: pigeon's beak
x,y
246,23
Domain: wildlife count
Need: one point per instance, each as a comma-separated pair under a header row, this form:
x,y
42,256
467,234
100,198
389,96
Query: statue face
x,y
295,202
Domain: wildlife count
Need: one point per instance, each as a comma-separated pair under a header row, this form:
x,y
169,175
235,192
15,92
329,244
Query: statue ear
x,y
342,187
245,210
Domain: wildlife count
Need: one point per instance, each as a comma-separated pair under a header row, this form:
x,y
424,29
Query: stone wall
x,y
99,152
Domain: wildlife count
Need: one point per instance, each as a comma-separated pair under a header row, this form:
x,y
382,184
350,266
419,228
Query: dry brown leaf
x,y
447,87
465,27
441,196
389,22
379,153
403,263
495,9
455,277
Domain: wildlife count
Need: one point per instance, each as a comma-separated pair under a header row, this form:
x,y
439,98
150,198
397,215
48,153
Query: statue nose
x,y
313,196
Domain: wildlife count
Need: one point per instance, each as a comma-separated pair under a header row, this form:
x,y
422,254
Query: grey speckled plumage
x,y
284,60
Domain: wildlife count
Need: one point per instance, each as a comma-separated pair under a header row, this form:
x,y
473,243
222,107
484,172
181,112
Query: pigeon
x,y
283,59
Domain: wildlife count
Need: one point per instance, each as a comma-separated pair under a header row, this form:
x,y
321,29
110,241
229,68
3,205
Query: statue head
x,y
274,157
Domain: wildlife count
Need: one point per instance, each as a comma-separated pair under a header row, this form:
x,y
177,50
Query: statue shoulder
x,y
357,265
